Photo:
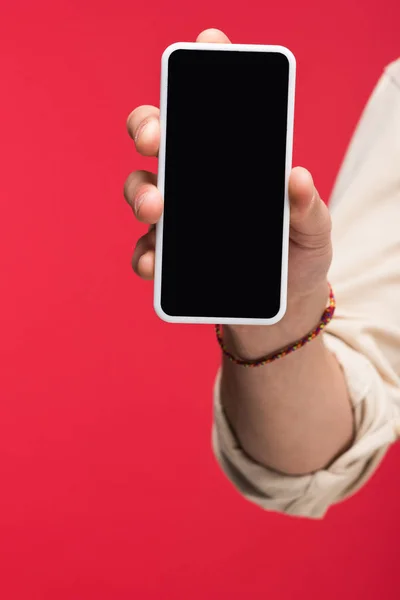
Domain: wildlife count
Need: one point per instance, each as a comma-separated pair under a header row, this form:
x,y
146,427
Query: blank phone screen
x,y
224,186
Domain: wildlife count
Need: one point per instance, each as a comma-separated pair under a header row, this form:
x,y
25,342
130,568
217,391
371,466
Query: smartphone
x,y
226,116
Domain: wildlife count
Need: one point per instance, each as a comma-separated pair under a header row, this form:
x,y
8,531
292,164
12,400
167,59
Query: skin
x,y
294,415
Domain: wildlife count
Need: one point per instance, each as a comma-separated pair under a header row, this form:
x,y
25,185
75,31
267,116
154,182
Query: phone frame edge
x,y
161,180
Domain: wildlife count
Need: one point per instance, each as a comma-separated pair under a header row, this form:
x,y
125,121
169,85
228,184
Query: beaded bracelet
x,y
265,360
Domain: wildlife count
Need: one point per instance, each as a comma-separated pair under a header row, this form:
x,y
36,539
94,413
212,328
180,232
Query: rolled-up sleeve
x,y
365,332
376,420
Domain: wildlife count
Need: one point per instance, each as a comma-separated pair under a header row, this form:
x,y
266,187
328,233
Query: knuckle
x,y
140,128
139,118
312,240
131,119
136,255
129,181
131,184
142,246
134,265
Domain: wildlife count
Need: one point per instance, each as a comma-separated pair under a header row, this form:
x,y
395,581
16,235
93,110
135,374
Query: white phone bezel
x,y
161,176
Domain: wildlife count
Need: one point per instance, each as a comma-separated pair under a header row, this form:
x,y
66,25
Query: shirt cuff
x,y
375,416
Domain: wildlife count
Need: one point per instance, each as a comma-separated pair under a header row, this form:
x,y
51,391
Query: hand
x,y
309,249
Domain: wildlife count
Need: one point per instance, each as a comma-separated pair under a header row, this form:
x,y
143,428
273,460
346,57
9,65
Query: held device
x,y
226,117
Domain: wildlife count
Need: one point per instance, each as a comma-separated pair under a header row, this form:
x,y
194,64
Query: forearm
x,y
293,415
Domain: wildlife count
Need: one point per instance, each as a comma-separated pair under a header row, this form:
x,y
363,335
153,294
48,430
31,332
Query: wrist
x,y
302,315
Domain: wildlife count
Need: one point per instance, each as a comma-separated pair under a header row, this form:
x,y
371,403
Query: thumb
x,y
310,221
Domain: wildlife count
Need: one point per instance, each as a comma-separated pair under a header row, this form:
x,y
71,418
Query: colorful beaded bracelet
x,y
265,360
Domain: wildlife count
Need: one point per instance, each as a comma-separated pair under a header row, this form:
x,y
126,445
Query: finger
x,y
143,126
310,222
143,196
143,256
213,36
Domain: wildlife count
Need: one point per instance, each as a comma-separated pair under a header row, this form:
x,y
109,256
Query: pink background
x,y
108,486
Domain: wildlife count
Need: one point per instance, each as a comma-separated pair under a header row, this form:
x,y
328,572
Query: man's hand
x,y
310,225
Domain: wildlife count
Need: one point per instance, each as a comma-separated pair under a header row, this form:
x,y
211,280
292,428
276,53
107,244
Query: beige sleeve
x,y
365,332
